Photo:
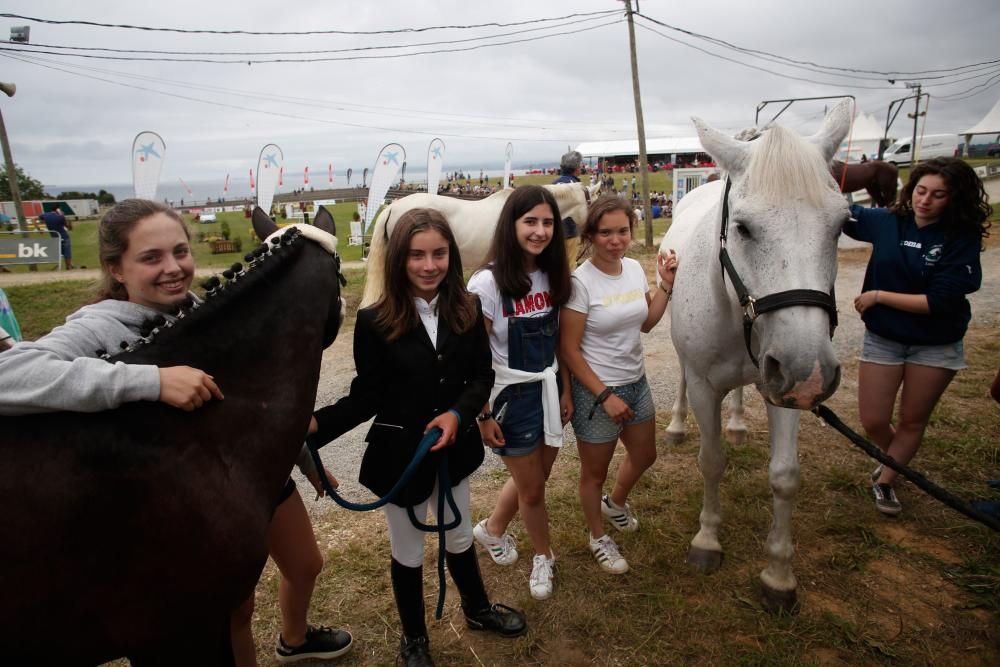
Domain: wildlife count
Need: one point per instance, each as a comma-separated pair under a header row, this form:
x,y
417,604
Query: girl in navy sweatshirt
x,y
925,259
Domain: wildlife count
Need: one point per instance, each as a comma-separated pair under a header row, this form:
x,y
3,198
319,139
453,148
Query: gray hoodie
x,y
63,371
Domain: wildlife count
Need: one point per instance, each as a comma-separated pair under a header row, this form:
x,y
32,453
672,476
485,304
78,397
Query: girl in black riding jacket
x,y
423,361
925,259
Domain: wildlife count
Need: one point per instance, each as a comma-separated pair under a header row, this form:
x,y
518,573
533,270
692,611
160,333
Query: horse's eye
x,y
742,229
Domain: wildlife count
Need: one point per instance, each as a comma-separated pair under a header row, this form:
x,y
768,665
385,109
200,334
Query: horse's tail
x,y
375,278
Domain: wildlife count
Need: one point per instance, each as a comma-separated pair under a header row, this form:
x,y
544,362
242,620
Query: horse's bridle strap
x,y
755,307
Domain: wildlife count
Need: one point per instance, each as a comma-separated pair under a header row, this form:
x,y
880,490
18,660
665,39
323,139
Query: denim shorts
x,y
522,420
880,350
601,428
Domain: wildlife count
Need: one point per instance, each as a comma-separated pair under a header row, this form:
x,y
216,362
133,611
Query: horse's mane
x,y
264,261
785,166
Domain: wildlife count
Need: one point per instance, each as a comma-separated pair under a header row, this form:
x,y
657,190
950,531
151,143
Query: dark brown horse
x,y
879,179
135,532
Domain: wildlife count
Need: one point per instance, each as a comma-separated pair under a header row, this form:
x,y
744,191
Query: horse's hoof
x,y
736,437
675,437
779,602
704,560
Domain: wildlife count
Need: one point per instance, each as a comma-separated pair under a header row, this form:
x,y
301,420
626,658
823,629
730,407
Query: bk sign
x,y
29,250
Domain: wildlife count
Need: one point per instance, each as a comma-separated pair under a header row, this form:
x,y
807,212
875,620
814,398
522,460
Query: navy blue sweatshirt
x,y
912,260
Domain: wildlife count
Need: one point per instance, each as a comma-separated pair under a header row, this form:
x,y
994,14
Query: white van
x,y
931,146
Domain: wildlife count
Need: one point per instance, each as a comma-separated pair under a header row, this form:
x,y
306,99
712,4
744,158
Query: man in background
x,y
569,172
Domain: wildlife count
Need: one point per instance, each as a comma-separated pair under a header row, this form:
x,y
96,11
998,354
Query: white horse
x,y
472,222
784,216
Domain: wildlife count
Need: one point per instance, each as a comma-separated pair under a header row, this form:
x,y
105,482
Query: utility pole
x,y
916,117
15,190
647,213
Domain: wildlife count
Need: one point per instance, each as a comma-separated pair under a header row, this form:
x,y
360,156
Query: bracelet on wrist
x,y
603,396
484,416
666,291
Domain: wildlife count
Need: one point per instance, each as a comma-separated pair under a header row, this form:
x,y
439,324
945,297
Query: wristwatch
x,y
484,416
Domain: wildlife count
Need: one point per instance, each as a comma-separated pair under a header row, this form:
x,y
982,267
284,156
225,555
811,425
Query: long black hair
x,y
506,257
968,204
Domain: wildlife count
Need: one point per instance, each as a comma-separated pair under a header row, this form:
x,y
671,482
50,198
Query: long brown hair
x,y
396,312
112,234
506,257
968,204
602,206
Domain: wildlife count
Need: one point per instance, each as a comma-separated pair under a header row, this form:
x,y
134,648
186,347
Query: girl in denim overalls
x,y
522,288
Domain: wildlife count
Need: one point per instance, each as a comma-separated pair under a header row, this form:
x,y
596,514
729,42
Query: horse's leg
x,y
736,428
777,579
874,196
199,646
706,551
675,431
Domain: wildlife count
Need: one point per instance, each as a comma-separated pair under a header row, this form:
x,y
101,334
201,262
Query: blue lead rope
x,y
444,482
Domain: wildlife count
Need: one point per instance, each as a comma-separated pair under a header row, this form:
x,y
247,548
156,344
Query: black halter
x,y
755,307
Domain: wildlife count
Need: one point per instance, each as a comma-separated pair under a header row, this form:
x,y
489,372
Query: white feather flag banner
x,y
269,168
506,165
390,161
435,163
148,150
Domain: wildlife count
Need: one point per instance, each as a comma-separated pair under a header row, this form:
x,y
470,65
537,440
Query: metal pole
x,y
15,190
916,118
647,212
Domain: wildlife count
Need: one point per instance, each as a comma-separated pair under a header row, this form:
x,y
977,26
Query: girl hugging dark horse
x,y
131,527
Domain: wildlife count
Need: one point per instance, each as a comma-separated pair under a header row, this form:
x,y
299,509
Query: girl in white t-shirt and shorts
x,y
522,287
599,341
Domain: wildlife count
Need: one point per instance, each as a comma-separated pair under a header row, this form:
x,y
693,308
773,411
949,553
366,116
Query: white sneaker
x,y
606,552
620,517
540,583
502,549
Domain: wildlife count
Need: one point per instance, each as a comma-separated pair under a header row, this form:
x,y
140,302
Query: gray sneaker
x,y
885,499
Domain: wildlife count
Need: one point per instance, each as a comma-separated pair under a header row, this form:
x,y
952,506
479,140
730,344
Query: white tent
x,y
864,138
990,124
630,147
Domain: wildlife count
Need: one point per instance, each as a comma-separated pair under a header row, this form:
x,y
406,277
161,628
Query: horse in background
x,y
784,215
879,179
135,532
472,222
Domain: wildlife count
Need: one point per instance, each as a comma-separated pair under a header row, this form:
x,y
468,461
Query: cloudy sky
x,y
559,77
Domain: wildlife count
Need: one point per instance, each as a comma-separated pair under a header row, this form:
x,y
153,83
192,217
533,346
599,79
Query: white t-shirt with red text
x,y
536,303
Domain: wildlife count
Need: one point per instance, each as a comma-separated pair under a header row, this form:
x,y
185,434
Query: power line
x,y
253,61
281,114
96,24
756,67
882,74
382,110
299,52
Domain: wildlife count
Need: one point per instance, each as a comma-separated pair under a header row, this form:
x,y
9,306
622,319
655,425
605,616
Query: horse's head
x,y
323,231
573,199
785,214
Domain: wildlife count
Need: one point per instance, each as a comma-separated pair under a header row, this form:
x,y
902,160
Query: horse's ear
x,y
323,220
732,155
834,129
263,226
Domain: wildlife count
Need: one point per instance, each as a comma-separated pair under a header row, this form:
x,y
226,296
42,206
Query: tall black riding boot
x,y
408,587
479,613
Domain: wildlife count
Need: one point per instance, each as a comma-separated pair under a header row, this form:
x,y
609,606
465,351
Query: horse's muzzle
x,y
782,388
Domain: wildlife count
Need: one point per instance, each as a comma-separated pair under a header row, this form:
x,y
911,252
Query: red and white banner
x,y
330,171
251,181
269,166
148,150
390,160
305,176
225,187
